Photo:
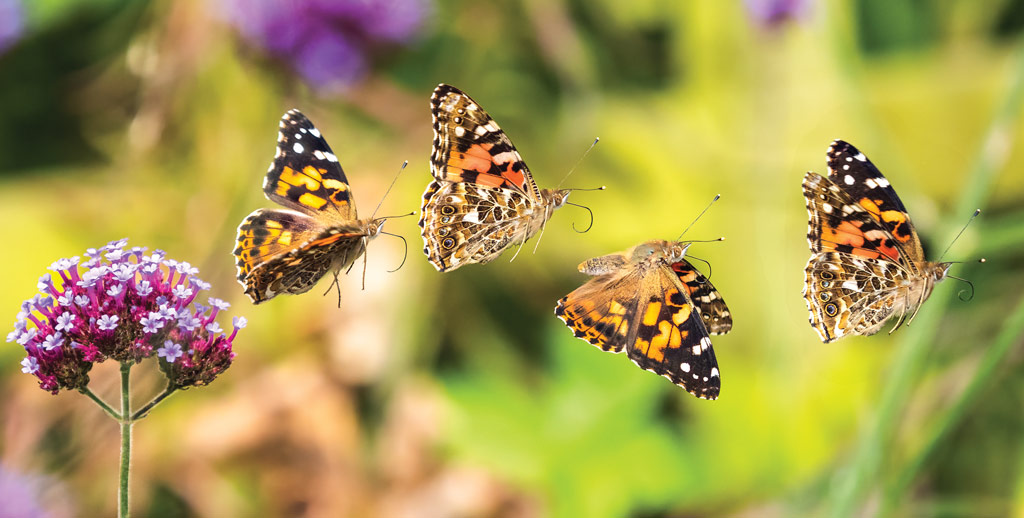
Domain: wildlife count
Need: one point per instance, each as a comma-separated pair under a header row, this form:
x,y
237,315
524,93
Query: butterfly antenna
x,y
976,212
404,254
587,152
591,224
389,188
960,294
717,196
707,278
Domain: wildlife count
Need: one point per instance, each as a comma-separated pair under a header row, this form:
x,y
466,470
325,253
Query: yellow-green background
x,y
461,394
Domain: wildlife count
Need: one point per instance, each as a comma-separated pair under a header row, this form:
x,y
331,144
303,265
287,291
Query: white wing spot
x,y
696,350
827,208
298,147
849,159
848,179
714,372
882,182
870,183
685,366
460,131
330,157
861,157
850,285
315,132
846,167
298,136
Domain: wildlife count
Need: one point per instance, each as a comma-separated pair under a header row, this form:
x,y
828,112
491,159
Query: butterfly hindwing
x,y
472,225
305,174
283,251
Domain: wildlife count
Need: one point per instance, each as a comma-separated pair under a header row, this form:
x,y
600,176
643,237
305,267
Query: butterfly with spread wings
x,y
652,303
289,250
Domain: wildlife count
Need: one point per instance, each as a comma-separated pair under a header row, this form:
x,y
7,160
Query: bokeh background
x,y
461,395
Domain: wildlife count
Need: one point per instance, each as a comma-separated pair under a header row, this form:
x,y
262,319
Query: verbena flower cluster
x,y
126,305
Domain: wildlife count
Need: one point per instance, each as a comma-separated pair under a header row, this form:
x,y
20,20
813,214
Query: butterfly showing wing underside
x,y
482,199
866,261
289,250
652,303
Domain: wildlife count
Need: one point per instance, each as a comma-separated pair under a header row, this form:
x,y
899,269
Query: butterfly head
x,y
660,250
374,227
555,197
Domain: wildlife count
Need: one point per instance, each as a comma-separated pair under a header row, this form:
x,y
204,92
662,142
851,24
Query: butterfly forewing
x,y
470,147
305,174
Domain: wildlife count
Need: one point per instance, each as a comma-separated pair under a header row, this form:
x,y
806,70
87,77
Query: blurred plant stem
x,y
852,487
126,440
1011,334
103,404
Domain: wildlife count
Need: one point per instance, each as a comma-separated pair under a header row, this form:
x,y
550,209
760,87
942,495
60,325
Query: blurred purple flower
x,y
772,13
108,320
21,495
12,23
328,42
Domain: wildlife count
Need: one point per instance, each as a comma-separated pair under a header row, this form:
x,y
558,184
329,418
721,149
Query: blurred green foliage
x,y
461,394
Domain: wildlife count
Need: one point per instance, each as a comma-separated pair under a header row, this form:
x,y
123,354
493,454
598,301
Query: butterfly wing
x,y
305,174
469,147
706,299
285,251
855,210
472,226
649,314
847,294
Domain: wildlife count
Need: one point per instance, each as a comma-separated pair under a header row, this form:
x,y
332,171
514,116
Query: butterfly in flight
x,y
289,250
867,263
482,199
652,303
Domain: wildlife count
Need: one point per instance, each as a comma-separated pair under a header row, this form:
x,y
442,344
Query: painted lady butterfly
x,y
867,263
288,251
482,199
650,301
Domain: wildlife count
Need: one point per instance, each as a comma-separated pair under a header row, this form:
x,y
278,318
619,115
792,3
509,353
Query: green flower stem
x,y
1010,335
126,441
144,411
103,404
852,485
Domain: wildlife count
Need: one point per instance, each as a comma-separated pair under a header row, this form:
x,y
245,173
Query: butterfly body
x,y
652,303
483,198
867,263
289,250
